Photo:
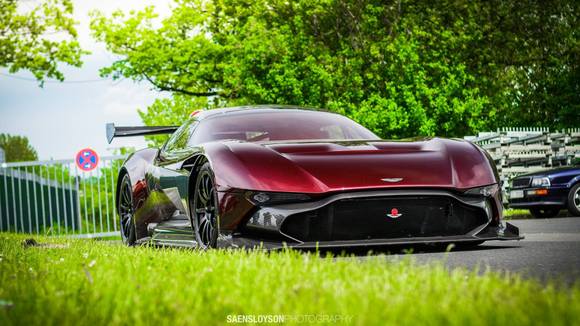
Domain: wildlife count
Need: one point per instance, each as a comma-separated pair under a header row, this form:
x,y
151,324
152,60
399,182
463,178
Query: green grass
x,y
516,213
513,213
71,282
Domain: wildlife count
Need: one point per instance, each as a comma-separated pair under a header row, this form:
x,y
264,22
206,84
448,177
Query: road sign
x,y
87,159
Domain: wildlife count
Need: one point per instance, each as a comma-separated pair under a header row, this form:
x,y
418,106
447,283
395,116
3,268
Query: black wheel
x,y
204,209
574,200
544,212
126,212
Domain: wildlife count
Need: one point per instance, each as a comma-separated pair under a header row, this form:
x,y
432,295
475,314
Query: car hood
x,y
573,170
325,166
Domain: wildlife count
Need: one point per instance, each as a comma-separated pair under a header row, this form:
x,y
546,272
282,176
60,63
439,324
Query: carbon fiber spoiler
x,y
113,131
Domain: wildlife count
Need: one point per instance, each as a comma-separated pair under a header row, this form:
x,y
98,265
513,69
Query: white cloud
x,y
62,118
122,100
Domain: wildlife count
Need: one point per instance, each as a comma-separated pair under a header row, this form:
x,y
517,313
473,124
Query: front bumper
x,y
361,219
508,232
556,196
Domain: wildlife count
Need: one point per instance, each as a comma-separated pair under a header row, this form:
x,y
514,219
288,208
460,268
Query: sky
x,y
63,118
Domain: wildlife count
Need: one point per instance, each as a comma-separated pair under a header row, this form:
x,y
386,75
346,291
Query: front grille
x,y
366,218
521,182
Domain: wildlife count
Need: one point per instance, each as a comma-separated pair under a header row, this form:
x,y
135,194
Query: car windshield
x,y
279,126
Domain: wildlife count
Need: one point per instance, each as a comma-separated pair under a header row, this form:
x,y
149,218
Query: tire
x,y
203,208
126,211
545,212
574,200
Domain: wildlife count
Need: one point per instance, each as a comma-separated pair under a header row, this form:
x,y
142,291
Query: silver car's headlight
x,y
540,182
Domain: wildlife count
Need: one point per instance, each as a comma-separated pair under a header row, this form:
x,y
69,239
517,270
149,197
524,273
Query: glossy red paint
x,y
264,160
194,113
136,166
140,193
334,166
234,207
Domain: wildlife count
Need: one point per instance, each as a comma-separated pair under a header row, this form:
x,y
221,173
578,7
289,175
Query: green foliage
x,y
69,282
38,39
401,68
170,112
17,148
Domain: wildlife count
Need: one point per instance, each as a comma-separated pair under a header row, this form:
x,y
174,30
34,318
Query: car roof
x,y
252,109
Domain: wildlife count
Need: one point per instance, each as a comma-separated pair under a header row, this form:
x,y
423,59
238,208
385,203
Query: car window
x,y
279,125
333,132
177,145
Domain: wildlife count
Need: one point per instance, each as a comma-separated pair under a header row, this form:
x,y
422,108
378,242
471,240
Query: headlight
x,y
275,198
493,211
540,182
486,191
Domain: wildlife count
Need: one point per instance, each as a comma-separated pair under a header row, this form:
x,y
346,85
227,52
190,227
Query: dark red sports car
x,y
275,176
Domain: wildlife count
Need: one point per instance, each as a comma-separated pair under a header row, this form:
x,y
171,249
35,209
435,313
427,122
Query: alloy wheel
x,y
205,210
126,212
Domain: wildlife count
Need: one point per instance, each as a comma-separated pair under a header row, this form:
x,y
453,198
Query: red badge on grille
x,y
394,213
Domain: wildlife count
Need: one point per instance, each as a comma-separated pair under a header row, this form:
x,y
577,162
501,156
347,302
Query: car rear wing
x,y
113,131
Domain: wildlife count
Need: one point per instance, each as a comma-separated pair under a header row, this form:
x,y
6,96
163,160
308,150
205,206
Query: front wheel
x,y
574,200
204,209
126,211
544,212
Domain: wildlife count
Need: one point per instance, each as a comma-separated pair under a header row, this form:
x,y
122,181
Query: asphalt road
x,y
551,250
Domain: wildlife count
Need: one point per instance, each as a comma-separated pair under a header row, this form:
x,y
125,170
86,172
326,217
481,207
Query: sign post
x,y
87,160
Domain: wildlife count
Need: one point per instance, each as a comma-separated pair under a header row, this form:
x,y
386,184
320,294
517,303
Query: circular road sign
x,y
87,159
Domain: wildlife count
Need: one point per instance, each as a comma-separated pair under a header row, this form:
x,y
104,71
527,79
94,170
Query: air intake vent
x,y
384,218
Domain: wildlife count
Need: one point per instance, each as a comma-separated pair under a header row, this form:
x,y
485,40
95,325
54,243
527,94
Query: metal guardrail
x,y
55,197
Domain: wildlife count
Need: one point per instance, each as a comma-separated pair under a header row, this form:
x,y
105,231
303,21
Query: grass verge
x,y
513,213
70,282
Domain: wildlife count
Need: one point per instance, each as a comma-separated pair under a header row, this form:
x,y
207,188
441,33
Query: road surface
x,y
551,250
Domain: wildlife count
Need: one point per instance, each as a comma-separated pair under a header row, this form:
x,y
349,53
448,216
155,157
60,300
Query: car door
x,y
169,177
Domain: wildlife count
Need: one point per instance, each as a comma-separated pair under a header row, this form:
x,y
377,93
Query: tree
x,y
17,148
401,68
38,39
525,55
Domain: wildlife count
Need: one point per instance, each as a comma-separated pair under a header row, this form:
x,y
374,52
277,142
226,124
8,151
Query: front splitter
x,y
507,232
